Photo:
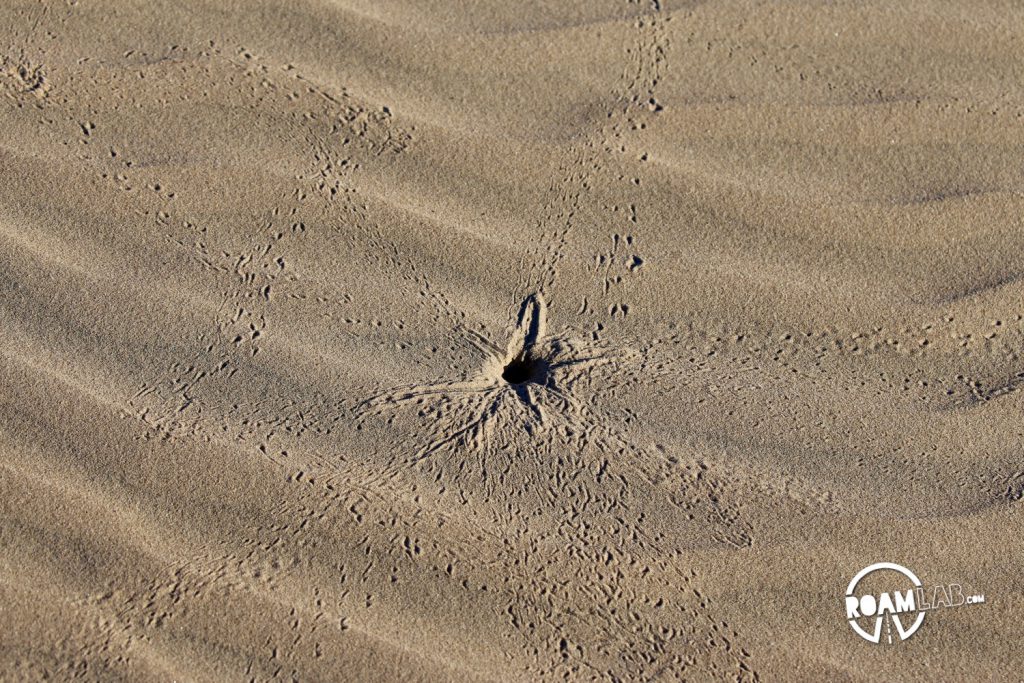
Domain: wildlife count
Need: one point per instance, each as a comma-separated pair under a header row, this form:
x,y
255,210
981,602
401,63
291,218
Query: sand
x,y
426,341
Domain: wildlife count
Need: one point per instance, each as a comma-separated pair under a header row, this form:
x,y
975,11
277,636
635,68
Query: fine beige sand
x,y
755,270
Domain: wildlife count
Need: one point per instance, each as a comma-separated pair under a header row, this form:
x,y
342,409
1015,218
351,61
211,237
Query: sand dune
x,y
502,341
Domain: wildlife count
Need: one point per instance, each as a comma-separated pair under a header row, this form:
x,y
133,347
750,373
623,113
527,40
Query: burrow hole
x,y
523,370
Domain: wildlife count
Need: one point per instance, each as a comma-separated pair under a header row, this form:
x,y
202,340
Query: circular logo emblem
x,y
894,607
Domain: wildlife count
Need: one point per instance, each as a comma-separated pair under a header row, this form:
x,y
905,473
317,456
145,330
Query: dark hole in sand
x,y
522,370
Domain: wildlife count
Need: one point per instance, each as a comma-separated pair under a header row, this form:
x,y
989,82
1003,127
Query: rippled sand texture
x,y
263,265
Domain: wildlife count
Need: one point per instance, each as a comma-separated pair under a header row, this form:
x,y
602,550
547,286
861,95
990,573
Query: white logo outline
x,y
876,636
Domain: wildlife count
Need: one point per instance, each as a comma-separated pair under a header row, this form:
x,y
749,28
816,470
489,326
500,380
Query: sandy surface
x,y
757,268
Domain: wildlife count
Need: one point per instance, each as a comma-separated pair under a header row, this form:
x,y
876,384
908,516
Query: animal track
x,y
517,439
527,398
634,105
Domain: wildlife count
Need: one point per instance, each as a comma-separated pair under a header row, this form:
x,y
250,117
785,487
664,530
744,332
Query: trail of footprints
x,y
993,348
633,104
260,275
614,266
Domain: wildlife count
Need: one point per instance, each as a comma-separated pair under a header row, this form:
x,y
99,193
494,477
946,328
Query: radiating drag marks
x,y
483,433
546,468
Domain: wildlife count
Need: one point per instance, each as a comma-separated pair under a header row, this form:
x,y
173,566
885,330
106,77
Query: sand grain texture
x,y
264,265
